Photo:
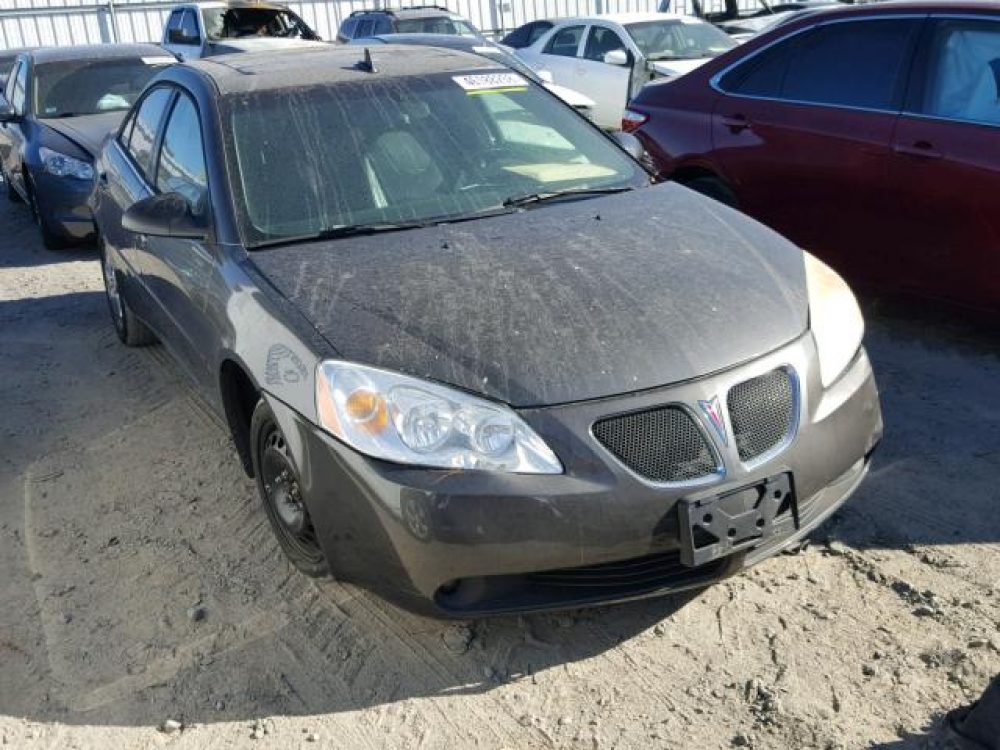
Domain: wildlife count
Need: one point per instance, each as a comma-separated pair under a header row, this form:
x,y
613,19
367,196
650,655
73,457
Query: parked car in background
x,y
869,135
527,34
204,29
742,20
492,51
417,19
59,105
474,359
609,58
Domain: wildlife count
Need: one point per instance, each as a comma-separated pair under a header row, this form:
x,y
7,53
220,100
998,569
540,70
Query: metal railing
x,y
29,23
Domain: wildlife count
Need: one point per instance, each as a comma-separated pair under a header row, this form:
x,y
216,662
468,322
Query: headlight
x,y
65,166
835,319
411,421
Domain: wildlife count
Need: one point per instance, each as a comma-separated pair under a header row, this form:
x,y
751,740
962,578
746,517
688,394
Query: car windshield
x,y
680,39
239,23
88,87
435,25
418,149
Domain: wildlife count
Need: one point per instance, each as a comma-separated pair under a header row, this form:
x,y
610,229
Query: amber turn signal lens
x,y
367,409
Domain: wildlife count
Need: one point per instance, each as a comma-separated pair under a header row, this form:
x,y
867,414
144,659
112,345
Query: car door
x,y
14,134
123,178
802,132
607,84
559,54
178,272
946,167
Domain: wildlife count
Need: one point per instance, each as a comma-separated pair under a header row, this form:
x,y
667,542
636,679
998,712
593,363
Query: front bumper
x,y
63,201
466,543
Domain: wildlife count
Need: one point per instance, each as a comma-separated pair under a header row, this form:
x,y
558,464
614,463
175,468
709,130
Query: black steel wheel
x,y
281,492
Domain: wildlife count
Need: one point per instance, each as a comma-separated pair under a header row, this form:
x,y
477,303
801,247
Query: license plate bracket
x,y
716,525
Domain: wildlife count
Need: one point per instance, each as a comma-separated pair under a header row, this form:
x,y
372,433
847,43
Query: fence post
x,y
114,21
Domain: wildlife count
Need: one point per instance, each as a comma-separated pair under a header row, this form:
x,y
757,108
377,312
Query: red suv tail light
x,y
632,120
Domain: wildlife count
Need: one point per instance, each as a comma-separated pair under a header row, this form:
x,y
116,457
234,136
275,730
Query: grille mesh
x,y
663,444
761,411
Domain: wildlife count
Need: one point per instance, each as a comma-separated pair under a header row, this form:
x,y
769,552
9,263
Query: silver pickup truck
x,y
199,30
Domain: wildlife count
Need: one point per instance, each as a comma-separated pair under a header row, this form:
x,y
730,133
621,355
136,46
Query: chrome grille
x,y
762,412
662,444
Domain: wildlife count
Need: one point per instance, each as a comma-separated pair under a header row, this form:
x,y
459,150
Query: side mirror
x,y
177,36
617,57
545,75
165,215
630,145
7,113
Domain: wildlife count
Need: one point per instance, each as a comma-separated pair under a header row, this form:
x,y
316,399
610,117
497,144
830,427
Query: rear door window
x,y
854,64
147,124
365,28
347,30
963,78
565,42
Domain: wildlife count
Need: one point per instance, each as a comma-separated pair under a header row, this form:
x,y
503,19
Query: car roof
x,y
624,18
451,41
903,6
331,64
419,11
234,4
96,52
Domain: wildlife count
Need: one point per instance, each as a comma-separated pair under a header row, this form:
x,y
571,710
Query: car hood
x,y
561,303
676,67
87,131
258,44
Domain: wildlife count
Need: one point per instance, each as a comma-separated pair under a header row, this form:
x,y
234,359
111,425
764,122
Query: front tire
x,y
280,491
12,195
50,237
131,331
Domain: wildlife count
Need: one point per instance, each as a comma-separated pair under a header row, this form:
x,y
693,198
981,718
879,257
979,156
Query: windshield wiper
x,y
536,198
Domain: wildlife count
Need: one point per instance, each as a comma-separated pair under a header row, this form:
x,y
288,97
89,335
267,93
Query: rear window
x,y
435,25
430,147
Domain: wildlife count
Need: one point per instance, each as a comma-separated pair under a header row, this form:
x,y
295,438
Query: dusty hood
x,y
87,131
676,67
561,303
257,44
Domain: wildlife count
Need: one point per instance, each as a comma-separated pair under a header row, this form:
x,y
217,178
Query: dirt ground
x,y
141,586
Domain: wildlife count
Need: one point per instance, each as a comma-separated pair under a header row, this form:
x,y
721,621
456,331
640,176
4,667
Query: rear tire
x,y
280,491
714,188
131,331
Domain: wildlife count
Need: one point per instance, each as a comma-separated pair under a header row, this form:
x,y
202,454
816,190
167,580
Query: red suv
x,y
869,135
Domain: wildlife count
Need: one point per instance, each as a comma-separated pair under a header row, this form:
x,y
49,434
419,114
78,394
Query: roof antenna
x,y
367,65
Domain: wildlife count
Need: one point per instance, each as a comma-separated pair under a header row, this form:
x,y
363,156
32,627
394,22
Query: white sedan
x,y
609,58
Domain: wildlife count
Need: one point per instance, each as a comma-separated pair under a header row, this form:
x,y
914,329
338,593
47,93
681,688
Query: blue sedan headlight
x,y
62,165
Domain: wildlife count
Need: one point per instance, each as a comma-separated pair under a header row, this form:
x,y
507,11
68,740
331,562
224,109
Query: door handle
x,y
921,149
736,123
141,241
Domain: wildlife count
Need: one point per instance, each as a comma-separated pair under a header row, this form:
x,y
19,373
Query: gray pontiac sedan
x,y
474,358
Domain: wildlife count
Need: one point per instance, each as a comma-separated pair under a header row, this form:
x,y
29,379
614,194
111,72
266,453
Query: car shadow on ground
x,y
932,480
